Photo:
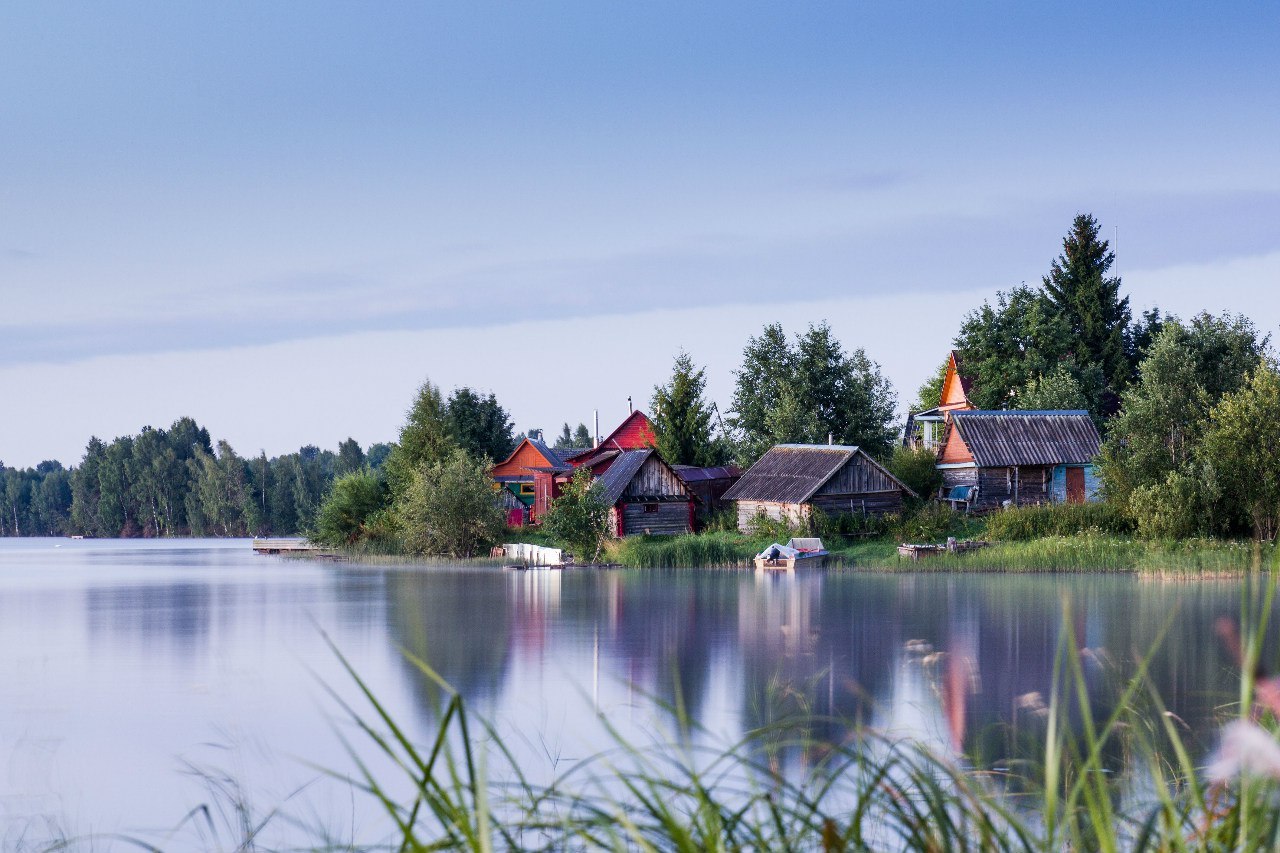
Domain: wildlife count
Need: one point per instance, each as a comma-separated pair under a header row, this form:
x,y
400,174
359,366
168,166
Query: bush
x,y
1168,510
579,517
1037,522
929,523
918,468
449,509
345,515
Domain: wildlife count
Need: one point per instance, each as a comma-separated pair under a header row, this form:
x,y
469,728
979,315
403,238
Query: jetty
x,y
287,545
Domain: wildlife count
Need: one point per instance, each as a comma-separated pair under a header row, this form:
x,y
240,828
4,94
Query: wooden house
x,y
792,480
989,459
516,474
634,433
926,429
645,495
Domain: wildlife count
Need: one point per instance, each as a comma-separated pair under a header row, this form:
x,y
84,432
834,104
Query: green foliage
x,y
1155,442
578,517
918,468
1089,304
576,439
682,417
1242,443
725,549
348,508
1035,522
932,522
449,509
763,527
1057,390
1006,345
350,457
425,440
807,392
219,502
479,425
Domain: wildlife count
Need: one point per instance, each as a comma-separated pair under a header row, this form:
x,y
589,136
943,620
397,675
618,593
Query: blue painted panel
x,y
1058,485
1092,484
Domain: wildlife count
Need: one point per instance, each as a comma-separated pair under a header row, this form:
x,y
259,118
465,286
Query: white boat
x,y
800,551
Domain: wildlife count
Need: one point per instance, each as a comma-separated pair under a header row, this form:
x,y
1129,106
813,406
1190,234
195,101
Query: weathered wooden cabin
x,y
516,474
792,480
645,495
989,459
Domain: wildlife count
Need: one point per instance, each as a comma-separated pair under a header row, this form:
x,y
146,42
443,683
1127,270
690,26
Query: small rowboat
x,y
798,552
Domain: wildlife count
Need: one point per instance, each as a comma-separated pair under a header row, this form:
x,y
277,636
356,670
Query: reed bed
x,y
1066,792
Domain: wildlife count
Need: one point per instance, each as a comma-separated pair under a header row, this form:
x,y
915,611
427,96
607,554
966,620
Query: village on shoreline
x,y
1060,428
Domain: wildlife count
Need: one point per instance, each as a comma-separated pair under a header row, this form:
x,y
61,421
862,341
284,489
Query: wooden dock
x,y
287,545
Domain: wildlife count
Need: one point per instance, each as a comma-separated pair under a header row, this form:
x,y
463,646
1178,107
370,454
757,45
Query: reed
x,y
866,793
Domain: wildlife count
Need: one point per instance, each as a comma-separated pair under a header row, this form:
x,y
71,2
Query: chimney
x,y
831,439
629,409
596,431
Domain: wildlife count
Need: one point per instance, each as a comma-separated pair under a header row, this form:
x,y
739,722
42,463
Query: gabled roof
x,y
634,433
793,473
955,375
551,457
1056,437
694,474
613,482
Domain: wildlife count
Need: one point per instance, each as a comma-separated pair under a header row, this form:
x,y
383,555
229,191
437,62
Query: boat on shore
x,y
798,552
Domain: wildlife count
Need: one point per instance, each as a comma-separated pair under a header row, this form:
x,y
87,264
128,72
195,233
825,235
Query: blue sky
x,y
201,203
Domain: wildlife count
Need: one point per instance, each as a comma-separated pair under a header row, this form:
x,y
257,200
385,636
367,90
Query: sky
x,y
280,218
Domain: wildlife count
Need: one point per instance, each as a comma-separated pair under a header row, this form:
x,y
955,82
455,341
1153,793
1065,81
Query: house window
x,y
650,507
526,488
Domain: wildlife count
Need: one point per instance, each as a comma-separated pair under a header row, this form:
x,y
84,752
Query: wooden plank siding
x,y
655,481
667,518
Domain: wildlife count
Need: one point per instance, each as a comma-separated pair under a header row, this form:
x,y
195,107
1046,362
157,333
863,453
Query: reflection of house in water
x,y
535,605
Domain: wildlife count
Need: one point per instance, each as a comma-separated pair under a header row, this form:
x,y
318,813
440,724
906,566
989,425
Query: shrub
x,y
1037,522
931,522
917,468
345,515
578,517
449,509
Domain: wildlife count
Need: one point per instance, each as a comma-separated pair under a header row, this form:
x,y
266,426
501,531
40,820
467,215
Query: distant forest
x,y
175,482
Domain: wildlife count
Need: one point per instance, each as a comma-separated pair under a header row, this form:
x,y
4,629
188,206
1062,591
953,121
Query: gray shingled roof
x,y
549,453
790,473
998,439
613,482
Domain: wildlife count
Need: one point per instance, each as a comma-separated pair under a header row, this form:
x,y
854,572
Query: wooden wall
x,y
858,476
655,479
668,518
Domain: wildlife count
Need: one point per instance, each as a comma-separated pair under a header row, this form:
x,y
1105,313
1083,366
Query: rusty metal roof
x,y
998,439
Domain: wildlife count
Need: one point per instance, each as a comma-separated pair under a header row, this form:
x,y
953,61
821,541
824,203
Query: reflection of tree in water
x,y
176,614
666,626
456,622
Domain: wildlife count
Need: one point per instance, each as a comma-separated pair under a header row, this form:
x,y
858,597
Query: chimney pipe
x,y
629,409
831,439
596,431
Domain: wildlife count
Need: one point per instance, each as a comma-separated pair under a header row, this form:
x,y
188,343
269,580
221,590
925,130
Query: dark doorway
x,y
1075,485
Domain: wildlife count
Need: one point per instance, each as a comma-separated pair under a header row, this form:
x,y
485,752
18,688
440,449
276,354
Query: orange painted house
x,y
518,472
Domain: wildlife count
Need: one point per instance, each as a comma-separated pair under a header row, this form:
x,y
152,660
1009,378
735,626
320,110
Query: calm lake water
x,y
134,673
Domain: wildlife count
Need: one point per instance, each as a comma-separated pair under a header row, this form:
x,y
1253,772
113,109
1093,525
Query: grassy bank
x,y
1089,538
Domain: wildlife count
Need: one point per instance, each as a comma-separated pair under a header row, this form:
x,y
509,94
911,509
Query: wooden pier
x,y
285,545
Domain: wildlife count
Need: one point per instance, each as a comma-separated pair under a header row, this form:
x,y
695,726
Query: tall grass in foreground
x,y
866,793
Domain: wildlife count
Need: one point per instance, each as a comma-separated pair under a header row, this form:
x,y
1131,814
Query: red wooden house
x,y
517,473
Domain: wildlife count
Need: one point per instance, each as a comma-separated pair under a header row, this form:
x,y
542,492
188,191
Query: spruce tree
x,y
682,417
1090,303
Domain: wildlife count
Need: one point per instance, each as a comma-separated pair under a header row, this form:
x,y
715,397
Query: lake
x,y
140,679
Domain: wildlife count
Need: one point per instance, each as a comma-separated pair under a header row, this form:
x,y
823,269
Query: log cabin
x,y
645,495
792,480
991,459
